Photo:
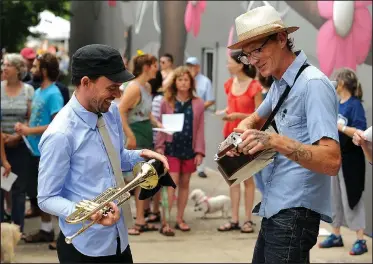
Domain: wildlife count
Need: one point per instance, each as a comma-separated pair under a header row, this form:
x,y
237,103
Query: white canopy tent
x,y
52,27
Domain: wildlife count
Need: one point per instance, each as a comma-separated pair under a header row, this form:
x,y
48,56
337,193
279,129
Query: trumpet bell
x,y
148,173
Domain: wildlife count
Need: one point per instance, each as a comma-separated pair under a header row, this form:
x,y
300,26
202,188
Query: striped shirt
x,y
14,109
156,110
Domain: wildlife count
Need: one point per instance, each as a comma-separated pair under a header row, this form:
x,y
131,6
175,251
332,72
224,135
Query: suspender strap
x,y
115,164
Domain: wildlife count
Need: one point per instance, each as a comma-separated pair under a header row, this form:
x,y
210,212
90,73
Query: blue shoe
x,y
359,248
332,241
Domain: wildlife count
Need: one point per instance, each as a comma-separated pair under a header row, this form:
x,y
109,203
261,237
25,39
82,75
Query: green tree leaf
x,y
16,16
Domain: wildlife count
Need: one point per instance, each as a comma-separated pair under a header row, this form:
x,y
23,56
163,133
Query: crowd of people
x,y
32,96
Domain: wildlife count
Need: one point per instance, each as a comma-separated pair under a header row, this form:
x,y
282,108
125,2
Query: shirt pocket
x,y
291,125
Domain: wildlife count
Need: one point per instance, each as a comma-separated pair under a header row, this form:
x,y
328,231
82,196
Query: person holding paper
x,y
46,103
348,187
184,150
137,120
4,161
243,97
364,139
204,91
16,99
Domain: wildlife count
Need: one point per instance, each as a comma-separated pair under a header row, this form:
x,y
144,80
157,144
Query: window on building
x,y
208,68
208,60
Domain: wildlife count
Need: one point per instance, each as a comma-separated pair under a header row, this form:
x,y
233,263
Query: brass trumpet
x,y
146,175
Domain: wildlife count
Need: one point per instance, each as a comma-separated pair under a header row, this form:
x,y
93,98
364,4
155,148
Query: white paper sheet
x,y
7,182
323,232
221,114
368,134
171,123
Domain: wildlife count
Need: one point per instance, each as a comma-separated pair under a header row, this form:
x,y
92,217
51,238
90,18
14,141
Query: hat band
x,y
261,30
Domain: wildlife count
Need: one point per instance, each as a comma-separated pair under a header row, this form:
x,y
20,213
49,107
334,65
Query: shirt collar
x,y
87,116
291,72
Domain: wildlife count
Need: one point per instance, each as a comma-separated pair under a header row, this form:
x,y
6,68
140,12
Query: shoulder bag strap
x,y
282,99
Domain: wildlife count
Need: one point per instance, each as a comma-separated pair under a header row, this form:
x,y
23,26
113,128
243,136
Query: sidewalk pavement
x,y
203,244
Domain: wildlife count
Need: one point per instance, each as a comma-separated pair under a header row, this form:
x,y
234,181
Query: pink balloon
x,y
335,52
192,17
325,9
188,17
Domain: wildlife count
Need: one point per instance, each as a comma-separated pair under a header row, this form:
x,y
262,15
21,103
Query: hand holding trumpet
x,y
109,218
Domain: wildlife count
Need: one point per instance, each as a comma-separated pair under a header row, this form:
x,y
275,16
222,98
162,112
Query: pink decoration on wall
x,y
334,51
230,40
112,3
192,18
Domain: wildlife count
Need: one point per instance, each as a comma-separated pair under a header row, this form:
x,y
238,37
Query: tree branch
x,y
309,10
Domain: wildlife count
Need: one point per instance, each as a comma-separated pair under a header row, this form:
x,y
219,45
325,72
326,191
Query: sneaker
x,y
40,236
202,174
332,241
359,247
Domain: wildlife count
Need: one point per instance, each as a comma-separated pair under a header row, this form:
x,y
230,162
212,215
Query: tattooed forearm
x,y
253,121
298,153
263,137
322,158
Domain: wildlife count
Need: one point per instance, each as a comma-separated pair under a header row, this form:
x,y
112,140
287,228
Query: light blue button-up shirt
x,y
74,166
309,113
204,88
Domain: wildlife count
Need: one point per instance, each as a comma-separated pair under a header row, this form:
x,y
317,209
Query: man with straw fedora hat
x,y
304,104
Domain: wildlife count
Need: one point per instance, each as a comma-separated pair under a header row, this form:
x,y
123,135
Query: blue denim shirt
x,y
74,166
309,113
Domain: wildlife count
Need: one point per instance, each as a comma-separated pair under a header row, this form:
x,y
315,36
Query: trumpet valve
x,y
86,205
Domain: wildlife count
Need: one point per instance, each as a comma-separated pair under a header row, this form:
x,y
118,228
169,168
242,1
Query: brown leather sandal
x,y
166,231
230,226
178,227
247,227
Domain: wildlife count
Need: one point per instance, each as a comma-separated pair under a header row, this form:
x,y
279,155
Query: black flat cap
x,y
100,60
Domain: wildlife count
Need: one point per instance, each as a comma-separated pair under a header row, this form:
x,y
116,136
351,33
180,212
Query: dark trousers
x,y
18,158
287,237
32,186
68,254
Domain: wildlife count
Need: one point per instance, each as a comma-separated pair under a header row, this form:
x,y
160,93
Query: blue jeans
x,y
287,237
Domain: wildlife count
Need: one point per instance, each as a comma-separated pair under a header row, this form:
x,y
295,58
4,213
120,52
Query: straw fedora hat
x,y
258,23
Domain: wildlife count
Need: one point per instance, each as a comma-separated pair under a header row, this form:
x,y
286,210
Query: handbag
x,y
239,168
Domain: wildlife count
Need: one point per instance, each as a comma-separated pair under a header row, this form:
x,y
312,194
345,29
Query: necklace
x,y
182,101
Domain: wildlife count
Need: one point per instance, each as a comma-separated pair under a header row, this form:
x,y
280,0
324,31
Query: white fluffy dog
x,y
10,236
209,205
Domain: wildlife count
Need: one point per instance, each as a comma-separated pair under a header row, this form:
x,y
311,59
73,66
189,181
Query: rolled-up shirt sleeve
x,y
54,166
321,105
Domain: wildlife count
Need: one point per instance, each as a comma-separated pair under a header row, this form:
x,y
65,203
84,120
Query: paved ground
x,y
202,244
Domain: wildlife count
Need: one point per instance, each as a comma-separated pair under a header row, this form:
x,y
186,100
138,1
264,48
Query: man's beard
x,y
97,107
37,78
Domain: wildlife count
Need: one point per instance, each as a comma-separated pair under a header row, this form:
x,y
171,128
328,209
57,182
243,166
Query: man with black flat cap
x,y
82,154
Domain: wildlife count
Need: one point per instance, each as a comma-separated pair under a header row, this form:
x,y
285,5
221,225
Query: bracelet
x,y
343,128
